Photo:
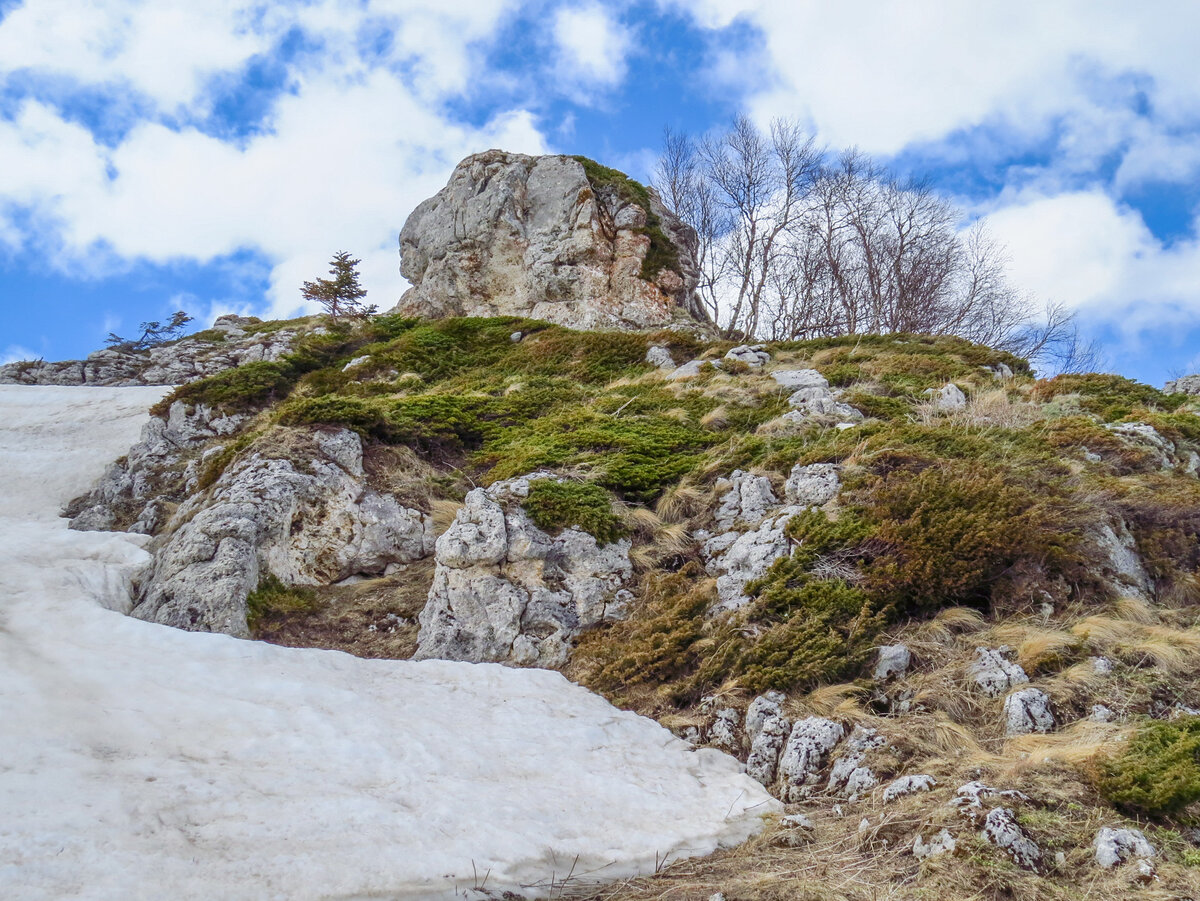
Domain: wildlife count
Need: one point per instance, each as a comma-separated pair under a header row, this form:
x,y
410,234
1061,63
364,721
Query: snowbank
x,y
137,761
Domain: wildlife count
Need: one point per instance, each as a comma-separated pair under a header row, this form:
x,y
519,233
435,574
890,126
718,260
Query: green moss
x,y
235,390
215,465
554,506
272,599
663,254
1111,397
1158,772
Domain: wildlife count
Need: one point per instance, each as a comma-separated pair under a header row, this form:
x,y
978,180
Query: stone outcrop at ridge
x,y
548,238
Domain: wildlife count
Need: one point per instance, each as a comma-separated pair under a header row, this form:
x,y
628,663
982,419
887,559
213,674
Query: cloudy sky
x,y
211,156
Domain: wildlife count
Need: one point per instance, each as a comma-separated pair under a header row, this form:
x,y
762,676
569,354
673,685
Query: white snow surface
x,y
141,762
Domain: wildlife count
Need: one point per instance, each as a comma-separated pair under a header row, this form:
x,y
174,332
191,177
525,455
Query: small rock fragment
x,y
892,661
940,843
950,397
1116,846
659,356
810,741
994,673
908,785
812,485
1026,711
1000,827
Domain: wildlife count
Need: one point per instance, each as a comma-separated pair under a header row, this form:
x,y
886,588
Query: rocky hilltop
x,y
557,238
944,610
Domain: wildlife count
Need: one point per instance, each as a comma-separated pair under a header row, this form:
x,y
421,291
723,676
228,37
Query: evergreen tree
x,y
340,296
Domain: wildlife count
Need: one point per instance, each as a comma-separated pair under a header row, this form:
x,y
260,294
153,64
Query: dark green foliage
x,y
662,253
1158,772
237,390
341,295
272,599
952,533
152,334
216,464
1111,397
554,505
210,336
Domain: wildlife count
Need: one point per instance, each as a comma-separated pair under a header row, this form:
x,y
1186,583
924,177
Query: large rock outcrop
x,y
307,518
535,236
504,591
230,342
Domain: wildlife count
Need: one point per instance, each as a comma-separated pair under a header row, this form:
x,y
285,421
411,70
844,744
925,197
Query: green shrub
x,y
1111,397
242,389
1158,772
272,599
554,505
662,253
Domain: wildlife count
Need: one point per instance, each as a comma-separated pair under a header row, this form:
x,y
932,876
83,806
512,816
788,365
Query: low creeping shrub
x,y
1158,772
554,506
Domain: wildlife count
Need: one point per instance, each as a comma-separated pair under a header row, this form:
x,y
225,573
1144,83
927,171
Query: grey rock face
x,y
849,776
1119,558
736,558
813,485
820,402
1146,437
892,661
169,364
504,591
1116,846
529,236
807,747
131,493
908,785
724,731
659,356
994,673
1001,829
746,500
799,378
1026,711
309,526
1188,384
768,730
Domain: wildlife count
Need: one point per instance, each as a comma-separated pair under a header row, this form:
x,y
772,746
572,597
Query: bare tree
x,y
795,245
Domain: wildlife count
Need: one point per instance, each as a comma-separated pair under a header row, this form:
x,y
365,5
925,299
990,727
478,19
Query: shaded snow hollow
x,y
137,761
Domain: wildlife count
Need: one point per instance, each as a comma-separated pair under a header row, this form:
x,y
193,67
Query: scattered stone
x,y
1101,666
1026,711
822,403
908,785
940,843
994,673
1001,829
1117,846
761,709
1001,371
811,740
891,662
1146,871
799,378
357,361
797,821
659,356
766,746
516,235
973,794
950,397
736,558
688,370
516,337
1101,714
813,485
753,355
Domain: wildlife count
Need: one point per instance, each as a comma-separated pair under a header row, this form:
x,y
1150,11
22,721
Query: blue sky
x,y
211,157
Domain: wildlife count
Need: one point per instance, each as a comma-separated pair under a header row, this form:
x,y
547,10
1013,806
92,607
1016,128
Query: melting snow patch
x,y
142,761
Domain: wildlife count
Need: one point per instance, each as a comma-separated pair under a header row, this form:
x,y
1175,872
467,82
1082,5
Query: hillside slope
x,y
847,562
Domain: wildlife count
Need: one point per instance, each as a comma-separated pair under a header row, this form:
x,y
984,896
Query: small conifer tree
x,y
340,296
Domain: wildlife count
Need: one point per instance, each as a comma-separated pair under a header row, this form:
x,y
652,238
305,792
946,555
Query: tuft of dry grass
x,y
680,502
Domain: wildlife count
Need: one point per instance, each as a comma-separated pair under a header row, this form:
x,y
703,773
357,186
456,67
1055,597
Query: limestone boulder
x,y
532,236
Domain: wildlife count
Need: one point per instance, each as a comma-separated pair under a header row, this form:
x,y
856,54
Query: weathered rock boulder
x,y
309,522
1116,846
230,342
1188,384
539,236
504,591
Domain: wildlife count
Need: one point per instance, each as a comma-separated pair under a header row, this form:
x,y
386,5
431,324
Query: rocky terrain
x,y
945,611
232,341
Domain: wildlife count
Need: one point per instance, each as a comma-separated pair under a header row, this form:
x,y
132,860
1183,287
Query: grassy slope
x,y
953,531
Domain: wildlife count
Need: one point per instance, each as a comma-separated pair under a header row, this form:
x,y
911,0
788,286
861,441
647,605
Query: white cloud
x,y
15,353
346,154
1095,255
885,75
591,47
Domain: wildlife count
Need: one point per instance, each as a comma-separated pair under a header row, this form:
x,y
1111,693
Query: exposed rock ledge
x,y
226,345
